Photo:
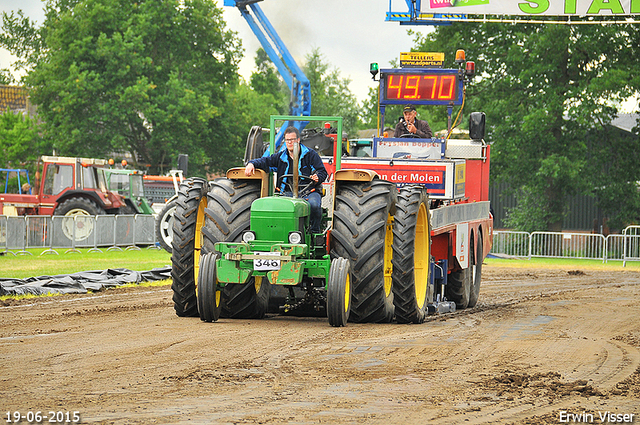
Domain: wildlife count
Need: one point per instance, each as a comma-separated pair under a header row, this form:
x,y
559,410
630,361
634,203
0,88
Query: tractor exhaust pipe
x,y
296,171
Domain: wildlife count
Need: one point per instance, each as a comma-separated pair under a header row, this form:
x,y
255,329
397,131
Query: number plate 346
x,y
267,261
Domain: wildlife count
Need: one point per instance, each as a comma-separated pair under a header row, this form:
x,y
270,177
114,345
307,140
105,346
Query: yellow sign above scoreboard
x,y
421,60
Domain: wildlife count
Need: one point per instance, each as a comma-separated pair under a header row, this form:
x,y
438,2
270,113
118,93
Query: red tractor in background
x,y
65,186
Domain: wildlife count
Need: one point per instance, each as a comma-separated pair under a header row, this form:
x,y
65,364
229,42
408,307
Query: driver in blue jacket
x,y
310,165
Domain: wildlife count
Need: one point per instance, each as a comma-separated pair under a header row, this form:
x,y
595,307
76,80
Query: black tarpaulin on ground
x,y
81,282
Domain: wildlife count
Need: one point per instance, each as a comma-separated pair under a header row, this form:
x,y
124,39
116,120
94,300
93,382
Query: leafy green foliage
x,y
20,141
330,94
149,77
266,81
21,37
545,88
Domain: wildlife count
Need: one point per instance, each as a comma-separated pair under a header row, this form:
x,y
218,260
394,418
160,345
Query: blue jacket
x,y
281,163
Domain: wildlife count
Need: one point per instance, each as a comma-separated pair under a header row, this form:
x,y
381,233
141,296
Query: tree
x,y
330,94
149,77
20,36
20,140
266,81
545,88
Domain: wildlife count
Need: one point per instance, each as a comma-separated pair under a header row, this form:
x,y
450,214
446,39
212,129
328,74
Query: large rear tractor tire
x,y
476,273
209,293
362,233
460,284
411,252
249,300
83,208
228,211
164,224
227,216
339,292
188,220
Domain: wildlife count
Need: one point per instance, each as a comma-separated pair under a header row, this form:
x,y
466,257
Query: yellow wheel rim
x,y
197,242
218,294
388,255
421,255
258,283
347,293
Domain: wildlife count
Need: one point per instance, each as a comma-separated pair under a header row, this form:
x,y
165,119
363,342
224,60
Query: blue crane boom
x,y
292,74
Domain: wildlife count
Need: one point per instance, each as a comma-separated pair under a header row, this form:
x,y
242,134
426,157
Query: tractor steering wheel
x,y
308,184
410,136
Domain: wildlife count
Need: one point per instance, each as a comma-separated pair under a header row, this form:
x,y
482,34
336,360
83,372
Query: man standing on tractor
x,y
310,166
410,125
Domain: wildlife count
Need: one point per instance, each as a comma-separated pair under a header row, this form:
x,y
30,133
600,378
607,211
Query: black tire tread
x,y
407,309
190,193
337,312
86,204
207,288
359,227
477,259
227,216
458,287
241,301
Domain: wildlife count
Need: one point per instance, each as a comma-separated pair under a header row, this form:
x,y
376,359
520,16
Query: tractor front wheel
x,y
338,292
209,293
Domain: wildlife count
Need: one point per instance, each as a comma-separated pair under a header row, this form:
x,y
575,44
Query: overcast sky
x,y
349,33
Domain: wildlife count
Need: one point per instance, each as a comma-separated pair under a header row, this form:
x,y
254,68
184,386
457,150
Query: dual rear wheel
x,y
411,252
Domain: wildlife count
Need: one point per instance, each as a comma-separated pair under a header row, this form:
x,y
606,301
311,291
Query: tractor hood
x,y
273,217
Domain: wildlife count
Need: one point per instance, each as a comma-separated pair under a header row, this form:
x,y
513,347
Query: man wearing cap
x,y
409,124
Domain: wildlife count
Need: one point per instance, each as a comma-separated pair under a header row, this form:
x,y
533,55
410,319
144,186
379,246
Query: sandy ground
x,y
542,347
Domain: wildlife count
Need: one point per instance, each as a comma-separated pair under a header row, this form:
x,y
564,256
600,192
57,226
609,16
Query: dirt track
x,y
539,343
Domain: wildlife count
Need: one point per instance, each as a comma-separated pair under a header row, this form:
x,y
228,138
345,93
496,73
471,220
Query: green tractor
x,y
129,184
235,243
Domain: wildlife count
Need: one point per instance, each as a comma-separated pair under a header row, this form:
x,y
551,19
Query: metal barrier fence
x,y
632,244
566,245
117,232
113,232
515,244
624,247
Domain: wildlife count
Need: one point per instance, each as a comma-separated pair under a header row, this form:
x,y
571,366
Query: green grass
x,y
23,266
563,263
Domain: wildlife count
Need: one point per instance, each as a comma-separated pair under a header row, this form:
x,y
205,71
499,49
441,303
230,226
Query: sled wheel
x,y
460,283
476,273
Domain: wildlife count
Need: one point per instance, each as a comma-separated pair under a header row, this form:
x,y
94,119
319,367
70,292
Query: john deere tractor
x,y
234,241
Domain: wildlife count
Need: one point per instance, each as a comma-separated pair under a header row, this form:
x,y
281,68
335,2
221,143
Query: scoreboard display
x,y
429,87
